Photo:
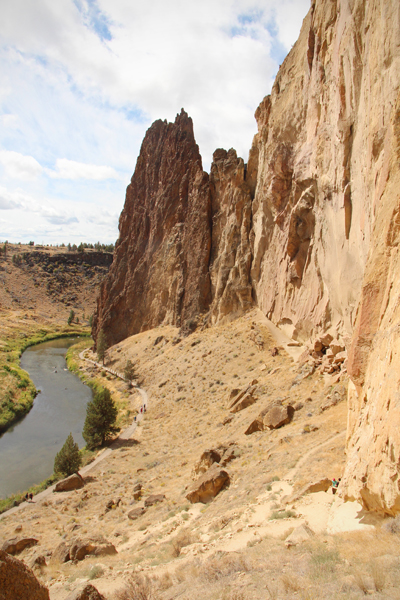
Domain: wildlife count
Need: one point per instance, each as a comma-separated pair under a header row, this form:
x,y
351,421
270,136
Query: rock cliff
x,y
308,230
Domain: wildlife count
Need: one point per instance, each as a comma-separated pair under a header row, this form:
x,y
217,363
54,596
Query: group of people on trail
x,y
28,497
335,485
143,409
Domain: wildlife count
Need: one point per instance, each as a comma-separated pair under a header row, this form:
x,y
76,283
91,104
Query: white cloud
x,y
18,166
70,169
9,201
84,79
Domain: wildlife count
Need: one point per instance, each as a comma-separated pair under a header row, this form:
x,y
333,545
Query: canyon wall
x,y
308,230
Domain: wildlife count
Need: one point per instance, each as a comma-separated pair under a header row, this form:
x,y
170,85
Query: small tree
x,y
130,370
71,316
101,346
101,414
68,460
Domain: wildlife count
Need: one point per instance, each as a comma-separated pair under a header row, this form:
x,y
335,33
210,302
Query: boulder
x,y
249,389
154,499
247,400
137,491
323,485
38,560
86,592
340,357
113,504
208,485
135,513
61,554
278,416
95,546
228,453
299,535
208,458
256,425
73,482
18,582
17,545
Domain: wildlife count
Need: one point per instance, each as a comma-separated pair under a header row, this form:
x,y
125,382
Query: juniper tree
x,y
129,370
68,460
101,415
101,346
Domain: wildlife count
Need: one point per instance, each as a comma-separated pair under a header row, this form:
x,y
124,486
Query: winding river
x,y
28,449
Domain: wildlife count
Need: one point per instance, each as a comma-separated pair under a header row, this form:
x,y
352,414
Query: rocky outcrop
x,y
17,545
154,499
78,548
208,485
272,417
95,546
230,249
184,242
85,592
222,455
17,581
135,513
309,230
160,268
73,482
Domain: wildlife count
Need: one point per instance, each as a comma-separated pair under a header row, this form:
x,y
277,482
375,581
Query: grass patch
x,y
16,499
282,514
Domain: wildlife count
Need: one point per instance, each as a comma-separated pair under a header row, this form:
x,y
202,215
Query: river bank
x,y
17,333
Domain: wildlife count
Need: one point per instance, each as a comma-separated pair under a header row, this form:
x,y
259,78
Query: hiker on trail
x,y
31,497
134,418
335,485
27,497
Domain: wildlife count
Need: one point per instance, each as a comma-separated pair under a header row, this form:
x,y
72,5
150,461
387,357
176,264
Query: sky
x,y
82,81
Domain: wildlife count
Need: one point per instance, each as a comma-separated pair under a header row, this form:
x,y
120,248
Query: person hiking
x,y
335,485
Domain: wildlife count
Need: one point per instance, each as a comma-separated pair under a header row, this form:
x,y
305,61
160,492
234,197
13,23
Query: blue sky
x,y
82,80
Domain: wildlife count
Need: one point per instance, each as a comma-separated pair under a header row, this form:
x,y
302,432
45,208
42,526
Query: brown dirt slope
x,y
235,541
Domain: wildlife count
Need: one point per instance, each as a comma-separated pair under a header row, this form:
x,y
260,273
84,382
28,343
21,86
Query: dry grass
x,y
184,538
222,565
360,580
137,588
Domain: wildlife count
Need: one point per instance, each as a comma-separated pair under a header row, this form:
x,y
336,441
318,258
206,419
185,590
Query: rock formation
x,y
160,268
308,230
17,581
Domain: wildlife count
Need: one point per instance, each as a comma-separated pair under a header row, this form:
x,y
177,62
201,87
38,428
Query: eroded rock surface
x,y
17,581
85,592
309,231
73,482
160,268
208,485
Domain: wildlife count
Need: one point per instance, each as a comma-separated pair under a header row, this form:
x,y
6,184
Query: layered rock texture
x,y
308,230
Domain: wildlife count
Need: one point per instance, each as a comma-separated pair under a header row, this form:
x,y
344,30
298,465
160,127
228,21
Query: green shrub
x,y
68,460
101,415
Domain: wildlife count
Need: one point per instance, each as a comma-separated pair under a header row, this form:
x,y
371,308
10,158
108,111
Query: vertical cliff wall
x,y
160,268
325,165
308,230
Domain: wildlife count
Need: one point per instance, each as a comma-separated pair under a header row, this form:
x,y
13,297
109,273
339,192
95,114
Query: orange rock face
x,y
160,268
183,244
309,231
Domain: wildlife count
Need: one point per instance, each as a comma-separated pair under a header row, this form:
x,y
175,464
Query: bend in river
x,y
28,449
